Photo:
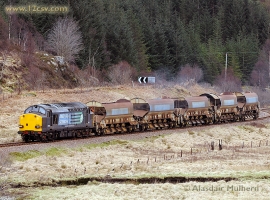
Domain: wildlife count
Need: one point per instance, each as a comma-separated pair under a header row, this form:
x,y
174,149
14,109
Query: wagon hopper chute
x,y
224,107
161,114
248,105
114,117
194,111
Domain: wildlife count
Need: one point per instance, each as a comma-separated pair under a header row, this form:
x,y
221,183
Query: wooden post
x,y
212,146
220,144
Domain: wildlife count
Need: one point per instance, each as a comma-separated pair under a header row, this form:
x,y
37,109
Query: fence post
x,y
212,145
220,144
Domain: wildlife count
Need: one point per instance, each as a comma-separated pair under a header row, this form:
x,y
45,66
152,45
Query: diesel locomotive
x,y
47,122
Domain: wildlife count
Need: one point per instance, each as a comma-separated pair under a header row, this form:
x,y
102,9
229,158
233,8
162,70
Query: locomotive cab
x,y
32,121
50,121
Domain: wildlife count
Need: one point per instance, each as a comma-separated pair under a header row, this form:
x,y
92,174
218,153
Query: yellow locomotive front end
x,y
30,125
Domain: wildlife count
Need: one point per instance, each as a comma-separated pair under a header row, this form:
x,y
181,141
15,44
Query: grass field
x,y
142,164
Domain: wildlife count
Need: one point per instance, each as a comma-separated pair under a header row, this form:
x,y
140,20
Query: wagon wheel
x,y
143,127
100,132
130,129
51,136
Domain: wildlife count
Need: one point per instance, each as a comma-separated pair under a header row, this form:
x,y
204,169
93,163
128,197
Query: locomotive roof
x,y
61,107
69,105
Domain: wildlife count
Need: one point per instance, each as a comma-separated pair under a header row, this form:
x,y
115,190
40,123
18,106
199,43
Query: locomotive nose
x,y
30,122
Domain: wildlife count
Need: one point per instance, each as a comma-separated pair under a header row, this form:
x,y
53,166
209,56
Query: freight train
x,y
47,122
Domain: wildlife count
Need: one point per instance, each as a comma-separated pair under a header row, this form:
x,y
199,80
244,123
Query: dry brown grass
x,y
190,190
152,157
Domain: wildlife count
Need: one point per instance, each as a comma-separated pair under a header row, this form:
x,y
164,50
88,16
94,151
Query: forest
x,y
155,35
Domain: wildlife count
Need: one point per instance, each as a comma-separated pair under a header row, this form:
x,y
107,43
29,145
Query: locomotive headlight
x,y
20,126
37,126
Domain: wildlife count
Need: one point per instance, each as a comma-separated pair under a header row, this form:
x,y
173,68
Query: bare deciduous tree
x,y
260,74
33,77
65,38
3,35
85,76
188,73
229,84
2,64
120,73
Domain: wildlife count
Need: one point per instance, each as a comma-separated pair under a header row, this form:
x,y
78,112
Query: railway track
x,y
14,144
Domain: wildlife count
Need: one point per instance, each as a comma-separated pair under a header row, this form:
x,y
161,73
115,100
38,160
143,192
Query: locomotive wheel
x,y
43,138
25,138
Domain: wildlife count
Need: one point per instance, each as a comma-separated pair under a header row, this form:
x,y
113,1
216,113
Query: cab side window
x,y
55,119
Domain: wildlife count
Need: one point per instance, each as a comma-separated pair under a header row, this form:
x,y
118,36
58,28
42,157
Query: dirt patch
x,y
258,125
109,179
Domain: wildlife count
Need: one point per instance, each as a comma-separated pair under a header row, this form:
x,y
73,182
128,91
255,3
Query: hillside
x,y
35,71
150,36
